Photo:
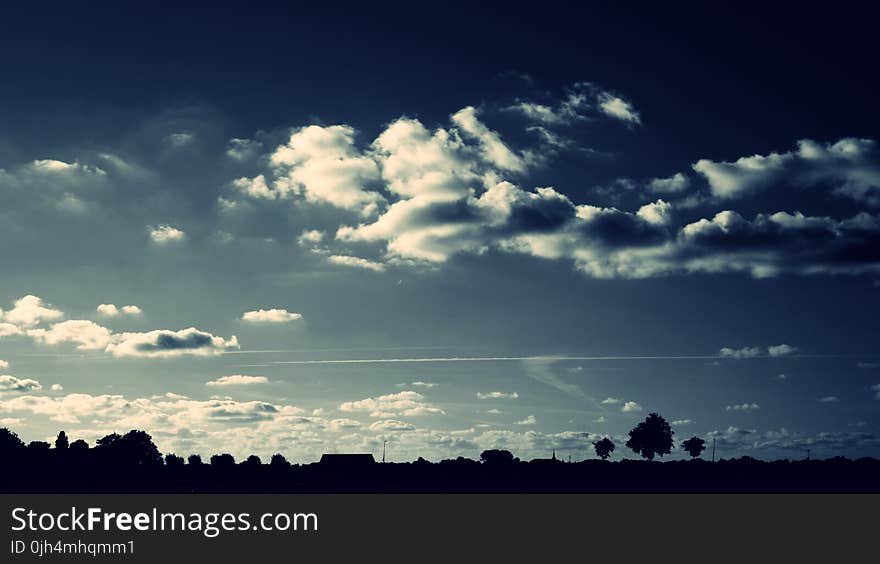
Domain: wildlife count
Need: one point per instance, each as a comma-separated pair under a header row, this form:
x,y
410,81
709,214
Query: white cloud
x,y
631,407
310,237
407,403
4,364
110,310
180,139
356,262
56,387
165,234
324,166
242,149
9,330
781,350
164,343
497,395
611,401
238,380
494,411
530,420
743,407
773,351
270,316
29,311
682,422
12,384
388,425
876,388
618,108
87,335
674,184
829,399
851,167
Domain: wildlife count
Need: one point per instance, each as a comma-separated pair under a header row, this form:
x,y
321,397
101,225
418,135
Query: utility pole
x,y
713,449
384,442
808,455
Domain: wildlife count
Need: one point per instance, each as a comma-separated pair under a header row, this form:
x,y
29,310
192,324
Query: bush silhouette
x,y
194,460
604,448
651,437
694,446
495,456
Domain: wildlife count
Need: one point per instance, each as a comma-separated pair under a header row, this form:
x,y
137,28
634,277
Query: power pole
x,y
713,449
384,442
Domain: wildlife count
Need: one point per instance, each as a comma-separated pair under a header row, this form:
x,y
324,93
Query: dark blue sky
x,y
157,154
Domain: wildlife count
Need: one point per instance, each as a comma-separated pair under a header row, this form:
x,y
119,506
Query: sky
x,y
266,227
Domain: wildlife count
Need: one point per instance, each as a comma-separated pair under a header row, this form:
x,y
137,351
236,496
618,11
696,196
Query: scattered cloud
x,y
530,420
743,407
683,422
110,310
631,407
238,380
407,403
165,234
829,399
12,384
86,335
850,166
497,395
773,351
29,311
356,262
611,401
270,316
165,343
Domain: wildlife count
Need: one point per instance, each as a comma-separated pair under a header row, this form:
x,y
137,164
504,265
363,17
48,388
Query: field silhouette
x,y
132,463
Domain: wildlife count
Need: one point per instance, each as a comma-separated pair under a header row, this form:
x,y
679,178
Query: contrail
x,y
544,358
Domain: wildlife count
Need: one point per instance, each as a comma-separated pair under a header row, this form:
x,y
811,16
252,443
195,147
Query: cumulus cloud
x,y
238,380
274,315
530,420
56,387
86,335
743,407
497,395
321,165
611,401
849,167
682,422
407,403
674,184
110,310
310,237
631,407
165,234
30,310
12,384
4,364
164,343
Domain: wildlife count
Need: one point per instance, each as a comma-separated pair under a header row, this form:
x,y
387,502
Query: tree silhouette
x,y
252,461
278,461
651,437
61,442
79,445
39,446
223,460
135,448
9,442
173,460
694,446
194,460
604,448
495,456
